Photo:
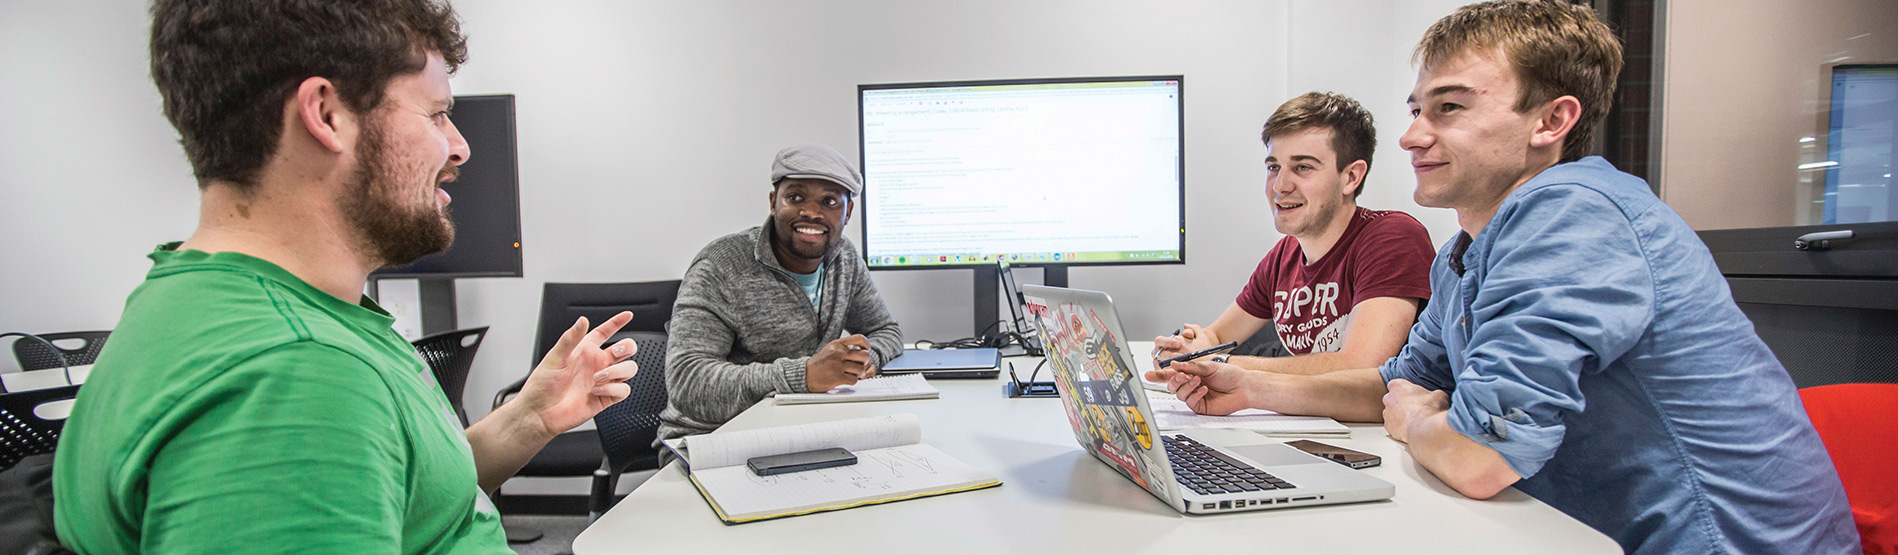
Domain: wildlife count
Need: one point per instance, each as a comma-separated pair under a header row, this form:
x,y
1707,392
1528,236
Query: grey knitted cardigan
x,y
743,328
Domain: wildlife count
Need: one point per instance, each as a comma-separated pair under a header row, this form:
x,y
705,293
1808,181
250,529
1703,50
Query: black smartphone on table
x,y
798,462
1340,455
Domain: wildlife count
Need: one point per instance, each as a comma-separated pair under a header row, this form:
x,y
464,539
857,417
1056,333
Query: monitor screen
x,y
1861,146
1032,172
485,201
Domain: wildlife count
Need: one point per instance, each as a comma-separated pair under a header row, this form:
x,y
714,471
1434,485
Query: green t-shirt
x,y
238,409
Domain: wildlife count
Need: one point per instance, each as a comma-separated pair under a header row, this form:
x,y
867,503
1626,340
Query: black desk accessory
x,y
1015,388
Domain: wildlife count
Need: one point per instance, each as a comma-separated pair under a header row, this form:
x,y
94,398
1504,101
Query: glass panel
x,y
1779,113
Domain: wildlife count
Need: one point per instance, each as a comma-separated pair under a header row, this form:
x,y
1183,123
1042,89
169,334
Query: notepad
x,y
1172,414
892,465
881,388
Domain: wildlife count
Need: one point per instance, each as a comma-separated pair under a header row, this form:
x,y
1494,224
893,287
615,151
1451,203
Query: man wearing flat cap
x,y
784,307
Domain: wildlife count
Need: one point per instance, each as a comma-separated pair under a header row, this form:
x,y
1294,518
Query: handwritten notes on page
x,y
892,465
857,434
1172,414
880,475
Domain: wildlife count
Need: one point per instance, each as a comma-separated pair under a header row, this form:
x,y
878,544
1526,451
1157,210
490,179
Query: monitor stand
x,y
438,305
988,284
437,297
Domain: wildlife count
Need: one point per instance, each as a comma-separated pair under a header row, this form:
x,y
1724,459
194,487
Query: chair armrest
x,y
502,395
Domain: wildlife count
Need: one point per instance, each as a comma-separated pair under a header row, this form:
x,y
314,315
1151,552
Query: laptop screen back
x,y
1094,373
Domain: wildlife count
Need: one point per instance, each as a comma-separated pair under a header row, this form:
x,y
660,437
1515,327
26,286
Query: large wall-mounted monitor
x,y
1036,172
486,205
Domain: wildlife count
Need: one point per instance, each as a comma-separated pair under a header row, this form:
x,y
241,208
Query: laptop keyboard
x,y
1207,471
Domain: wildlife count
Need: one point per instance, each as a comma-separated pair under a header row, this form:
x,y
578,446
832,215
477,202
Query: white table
x,y
42,379
1055,498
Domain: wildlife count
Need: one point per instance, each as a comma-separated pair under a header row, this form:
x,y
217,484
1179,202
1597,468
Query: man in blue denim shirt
x,y
1580,344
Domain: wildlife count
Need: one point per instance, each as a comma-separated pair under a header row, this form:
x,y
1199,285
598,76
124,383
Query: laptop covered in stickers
x,y
1192,472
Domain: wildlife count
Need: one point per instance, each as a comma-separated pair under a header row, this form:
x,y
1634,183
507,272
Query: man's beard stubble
x,y
387,227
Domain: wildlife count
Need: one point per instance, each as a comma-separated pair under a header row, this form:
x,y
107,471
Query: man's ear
x,y
319,112
1354,177
771,200
1557,119
850,207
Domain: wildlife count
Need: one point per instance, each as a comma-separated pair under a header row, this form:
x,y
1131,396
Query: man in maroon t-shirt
x,y
1346,283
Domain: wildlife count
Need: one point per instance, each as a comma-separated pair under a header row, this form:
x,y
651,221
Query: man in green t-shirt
x,y
252,400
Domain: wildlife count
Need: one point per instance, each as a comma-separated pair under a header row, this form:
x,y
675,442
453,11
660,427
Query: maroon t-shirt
x,y
1383,253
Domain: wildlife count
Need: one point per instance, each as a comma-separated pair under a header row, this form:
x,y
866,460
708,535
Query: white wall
x,y
646,129
91,175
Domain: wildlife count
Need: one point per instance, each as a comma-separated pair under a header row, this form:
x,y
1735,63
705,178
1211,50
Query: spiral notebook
x,y
893,465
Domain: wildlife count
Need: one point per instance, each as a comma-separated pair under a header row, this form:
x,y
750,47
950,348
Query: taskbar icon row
x,y
966,259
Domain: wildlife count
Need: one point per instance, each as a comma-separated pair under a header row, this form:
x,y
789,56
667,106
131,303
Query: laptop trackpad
x,y
1276,455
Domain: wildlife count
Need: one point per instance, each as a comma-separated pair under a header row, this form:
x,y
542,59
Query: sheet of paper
x,y
879,474
719,449
883,388
1172,414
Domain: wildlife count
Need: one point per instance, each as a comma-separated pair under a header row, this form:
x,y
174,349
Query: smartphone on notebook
x,y
798,462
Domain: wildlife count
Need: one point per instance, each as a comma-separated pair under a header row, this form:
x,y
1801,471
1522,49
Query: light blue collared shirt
x,y
1587,336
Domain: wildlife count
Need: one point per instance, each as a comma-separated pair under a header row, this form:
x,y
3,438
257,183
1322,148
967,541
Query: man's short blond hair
x,y
1556,49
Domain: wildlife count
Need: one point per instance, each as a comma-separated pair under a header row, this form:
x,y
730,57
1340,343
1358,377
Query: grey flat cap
x,y
816,162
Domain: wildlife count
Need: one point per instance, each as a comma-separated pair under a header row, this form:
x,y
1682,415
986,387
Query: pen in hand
x,y
1216,349
867,369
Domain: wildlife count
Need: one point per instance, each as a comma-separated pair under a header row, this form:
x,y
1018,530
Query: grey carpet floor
x,y
559,530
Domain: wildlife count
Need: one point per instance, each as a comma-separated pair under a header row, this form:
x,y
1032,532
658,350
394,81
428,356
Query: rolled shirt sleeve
x,y
1424,360
1559,295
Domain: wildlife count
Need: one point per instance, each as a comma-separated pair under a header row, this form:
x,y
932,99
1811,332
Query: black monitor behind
x,y
486,210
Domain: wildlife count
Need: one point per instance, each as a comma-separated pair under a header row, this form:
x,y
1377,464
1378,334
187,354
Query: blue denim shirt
x,y
1586,335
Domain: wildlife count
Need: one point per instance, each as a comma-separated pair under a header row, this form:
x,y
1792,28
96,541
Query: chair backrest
x,y
34,355
562,303
628,428
450,355
24,433
1859,425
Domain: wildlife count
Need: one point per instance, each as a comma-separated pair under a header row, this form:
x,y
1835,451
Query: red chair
x,y
1859,425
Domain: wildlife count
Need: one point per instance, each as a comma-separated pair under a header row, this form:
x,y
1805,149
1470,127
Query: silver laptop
x,y
1193,473
946,363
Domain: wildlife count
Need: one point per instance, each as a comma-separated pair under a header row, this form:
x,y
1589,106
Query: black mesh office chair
x,y
579,453
24,433
450,355
34,355
628,428
26,490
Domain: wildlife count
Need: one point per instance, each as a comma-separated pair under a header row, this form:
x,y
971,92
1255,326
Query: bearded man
x,y
252,399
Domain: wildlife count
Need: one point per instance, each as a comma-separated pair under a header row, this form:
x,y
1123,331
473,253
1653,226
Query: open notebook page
x,y
1172,414
882,388
880,475
719,449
